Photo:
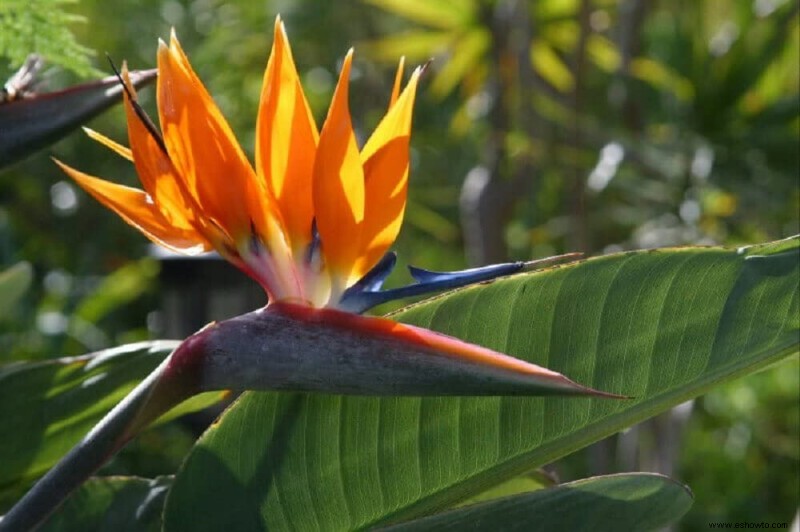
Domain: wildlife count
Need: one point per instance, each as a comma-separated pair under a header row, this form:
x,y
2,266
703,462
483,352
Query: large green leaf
x,y
633,501
113,504
526,483
660,325
47,407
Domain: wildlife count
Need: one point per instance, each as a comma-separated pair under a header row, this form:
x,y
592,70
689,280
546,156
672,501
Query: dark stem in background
x,y
491,189
578,239
629,40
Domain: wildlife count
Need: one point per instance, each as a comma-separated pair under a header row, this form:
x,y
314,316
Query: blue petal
x,y
366,293
313,249
373,279
473,275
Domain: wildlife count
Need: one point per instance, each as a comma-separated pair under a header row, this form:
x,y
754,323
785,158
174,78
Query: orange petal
x,y
203,149
386,175
385,202
156,172
286,140
121,150
339,183
398,79
397,121
135,207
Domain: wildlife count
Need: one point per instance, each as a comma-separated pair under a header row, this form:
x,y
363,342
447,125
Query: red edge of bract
x,y
186,362
442,343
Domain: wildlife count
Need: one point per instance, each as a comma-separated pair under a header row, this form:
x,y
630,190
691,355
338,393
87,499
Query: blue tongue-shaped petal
x,y
373,279
367,292
472,275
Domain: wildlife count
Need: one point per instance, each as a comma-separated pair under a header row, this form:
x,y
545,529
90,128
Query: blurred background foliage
x,y
543,127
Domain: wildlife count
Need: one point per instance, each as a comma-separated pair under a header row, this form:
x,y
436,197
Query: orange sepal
x,y
386,192
204,150
398,80
116,147
338,188
397,122
156,172
386,168
286,140
137,208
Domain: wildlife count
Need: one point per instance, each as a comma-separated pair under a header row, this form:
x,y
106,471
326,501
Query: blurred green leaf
x,y
42,26
740,450
752,56
603,52
632,501
660,325
120,287
661,77
466,54
459,36
113,504
415,45
47,407
550,66
14,282
437,13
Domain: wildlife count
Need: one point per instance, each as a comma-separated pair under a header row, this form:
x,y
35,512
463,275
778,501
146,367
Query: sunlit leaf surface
x,y
662,326
14,282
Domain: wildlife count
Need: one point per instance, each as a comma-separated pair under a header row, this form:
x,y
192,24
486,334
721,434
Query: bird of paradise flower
x,y
312,223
